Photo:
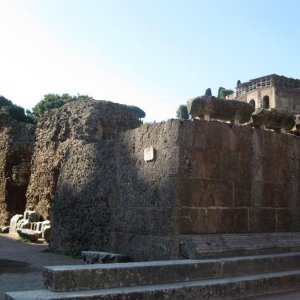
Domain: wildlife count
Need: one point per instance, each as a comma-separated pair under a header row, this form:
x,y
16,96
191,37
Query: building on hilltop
x,y
271,91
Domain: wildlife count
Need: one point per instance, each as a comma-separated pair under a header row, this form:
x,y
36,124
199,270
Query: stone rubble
x,y
238,112
16,148
209,107
95,257
29,226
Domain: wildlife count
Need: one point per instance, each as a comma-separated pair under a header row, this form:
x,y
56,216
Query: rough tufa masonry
x,y
16,148
71,126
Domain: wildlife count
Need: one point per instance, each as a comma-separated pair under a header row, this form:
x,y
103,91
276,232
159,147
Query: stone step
x,y
83,277
221,245
221,288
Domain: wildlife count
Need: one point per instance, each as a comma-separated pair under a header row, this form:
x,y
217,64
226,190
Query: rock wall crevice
x,y
16,149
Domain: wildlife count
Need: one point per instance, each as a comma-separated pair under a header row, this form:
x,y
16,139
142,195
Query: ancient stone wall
x,y
71,126
81,214
16,147
238,179
145,224
288,99
108,198
206,177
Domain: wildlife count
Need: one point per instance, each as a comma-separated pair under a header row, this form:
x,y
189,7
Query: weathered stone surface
x,y
33,216
24,224
273,119
245,244
16,147
29,234
73,125
215,108
72,278
81,215
228,288
94,257
123,203
194,185
239,184
4,229
13,223
46,233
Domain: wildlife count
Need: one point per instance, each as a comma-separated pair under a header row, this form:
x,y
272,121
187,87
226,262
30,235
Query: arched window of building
x,y
266,102
252,102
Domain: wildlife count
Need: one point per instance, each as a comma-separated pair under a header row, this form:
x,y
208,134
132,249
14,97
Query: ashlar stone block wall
x,y
238,179
145,216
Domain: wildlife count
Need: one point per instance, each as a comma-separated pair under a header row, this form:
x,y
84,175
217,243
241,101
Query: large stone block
x,y
262,220
242,193
216,108
192,220
220,220
13,223
273,119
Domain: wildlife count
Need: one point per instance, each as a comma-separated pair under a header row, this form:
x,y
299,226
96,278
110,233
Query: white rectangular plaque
x,y
148,153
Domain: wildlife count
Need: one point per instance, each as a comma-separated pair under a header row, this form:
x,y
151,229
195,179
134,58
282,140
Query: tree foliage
x,y
16,112
51,101
182,112
208,92
137,111
238,83
222,92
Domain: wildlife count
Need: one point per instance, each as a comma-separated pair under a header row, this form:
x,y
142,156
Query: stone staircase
x,y
222,245
237,277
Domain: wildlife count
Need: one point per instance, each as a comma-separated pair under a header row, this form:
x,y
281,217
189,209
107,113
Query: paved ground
x,y
21,264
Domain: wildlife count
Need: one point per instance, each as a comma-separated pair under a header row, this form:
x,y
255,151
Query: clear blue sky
x,y
155,54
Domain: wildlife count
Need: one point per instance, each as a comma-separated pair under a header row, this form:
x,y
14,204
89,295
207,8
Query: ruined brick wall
x,y
16,147
71,126
238,179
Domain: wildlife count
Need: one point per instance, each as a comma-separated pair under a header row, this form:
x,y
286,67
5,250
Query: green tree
x,y
238,83
51,101
225,92
222,92
137,111
182,112
208,92
16,112
4,102
31,117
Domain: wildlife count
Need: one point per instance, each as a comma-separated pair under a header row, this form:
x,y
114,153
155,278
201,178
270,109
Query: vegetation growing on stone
x,y
137,111
16,112
208,92
222,92
182,112
51,101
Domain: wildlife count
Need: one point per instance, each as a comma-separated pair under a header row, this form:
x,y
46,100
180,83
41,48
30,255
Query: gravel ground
x,y
21,264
